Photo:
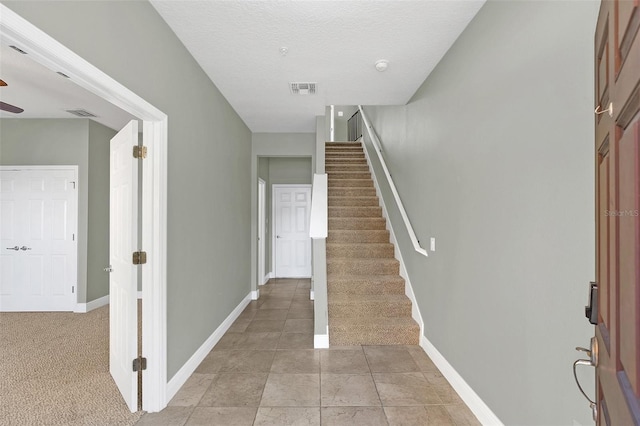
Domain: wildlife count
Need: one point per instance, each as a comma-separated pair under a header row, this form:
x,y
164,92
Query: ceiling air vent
x,y
302,88
80,113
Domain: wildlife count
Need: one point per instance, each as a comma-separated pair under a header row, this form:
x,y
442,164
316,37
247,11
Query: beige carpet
x,y
366,295
54,370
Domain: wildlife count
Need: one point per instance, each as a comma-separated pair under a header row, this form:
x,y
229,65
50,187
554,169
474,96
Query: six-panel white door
x,y
292,205
38,252
123,241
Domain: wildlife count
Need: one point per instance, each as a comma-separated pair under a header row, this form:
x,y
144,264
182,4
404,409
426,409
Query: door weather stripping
x,y
139,364
139,257
139,152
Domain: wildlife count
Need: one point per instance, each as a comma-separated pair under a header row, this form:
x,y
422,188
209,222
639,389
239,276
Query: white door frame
x,y
262,210
55,56
273,218
74,168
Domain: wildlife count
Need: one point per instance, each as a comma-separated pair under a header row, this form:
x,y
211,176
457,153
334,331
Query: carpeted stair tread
x,y
369,250
347,160
365,284
344,223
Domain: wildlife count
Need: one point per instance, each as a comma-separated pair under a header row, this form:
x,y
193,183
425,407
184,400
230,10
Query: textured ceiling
x,y
333,43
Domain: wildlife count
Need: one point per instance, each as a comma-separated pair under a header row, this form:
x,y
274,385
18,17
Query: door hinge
x,y
73,289
139,257
139,152
139,364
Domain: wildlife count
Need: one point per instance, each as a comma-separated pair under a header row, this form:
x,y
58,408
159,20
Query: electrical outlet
x,y
433,244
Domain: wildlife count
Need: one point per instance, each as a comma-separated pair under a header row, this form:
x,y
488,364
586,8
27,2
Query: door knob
x,y
591,362
108,269
25,248
16,248
277,236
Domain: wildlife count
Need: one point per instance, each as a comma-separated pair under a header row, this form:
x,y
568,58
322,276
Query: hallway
x,y
264,371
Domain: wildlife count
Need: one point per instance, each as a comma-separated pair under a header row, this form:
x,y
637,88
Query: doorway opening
x,y
55,56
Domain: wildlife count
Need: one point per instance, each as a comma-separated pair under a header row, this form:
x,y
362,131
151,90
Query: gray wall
x,y
493,156
209,156
284,145
98,229
341,123
78,142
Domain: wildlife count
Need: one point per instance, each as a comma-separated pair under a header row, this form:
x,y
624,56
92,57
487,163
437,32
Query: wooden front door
x,y
617,151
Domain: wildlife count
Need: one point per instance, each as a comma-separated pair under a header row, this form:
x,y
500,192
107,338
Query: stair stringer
x,y
408,288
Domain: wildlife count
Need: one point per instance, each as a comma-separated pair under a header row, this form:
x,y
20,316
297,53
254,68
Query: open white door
x,y
123,241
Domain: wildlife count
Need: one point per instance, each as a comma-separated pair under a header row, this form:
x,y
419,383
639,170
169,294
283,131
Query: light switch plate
x,y
433,244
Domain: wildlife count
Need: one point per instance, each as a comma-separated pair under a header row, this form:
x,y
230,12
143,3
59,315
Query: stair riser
x,y
360,251
350,154
357,223
351,192
338,286
373,337
376,309
358,237
370,267
350,183
360,211
353,202
331,168
349,175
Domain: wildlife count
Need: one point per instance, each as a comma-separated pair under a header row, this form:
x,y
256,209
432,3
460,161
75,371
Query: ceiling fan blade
x,y
2,83
10,108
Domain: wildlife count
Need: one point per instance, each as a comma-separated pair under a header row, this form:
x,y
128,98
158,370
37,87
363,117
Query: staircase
x,y
366,299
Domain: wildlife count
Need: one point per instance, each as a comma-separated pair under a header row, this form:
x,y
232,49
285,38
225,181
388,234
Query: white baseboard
x,y
312,295
140,295
255,294
320,341
179,379
267,277
468,395
90,306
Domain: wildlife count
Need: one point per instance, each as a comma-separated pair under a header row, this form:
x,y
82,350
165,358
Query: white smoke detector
x,y
382,64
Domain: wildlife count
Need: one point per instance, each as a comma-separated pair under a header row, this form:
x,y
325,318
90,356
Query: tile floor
x,y
264,371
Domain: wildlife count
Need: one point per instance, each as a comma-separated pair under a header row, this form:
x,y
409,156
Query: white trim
x,y
255,294
179,379
140,295
468,395
319,222
82,308
274,220
47,51
262,231
267,277
312,295
320,341
392,185
408,287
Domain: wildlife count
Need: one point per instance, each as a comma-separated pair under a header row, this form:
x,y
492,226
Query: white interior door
x,y
123,241
261,230
292,208
38,251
